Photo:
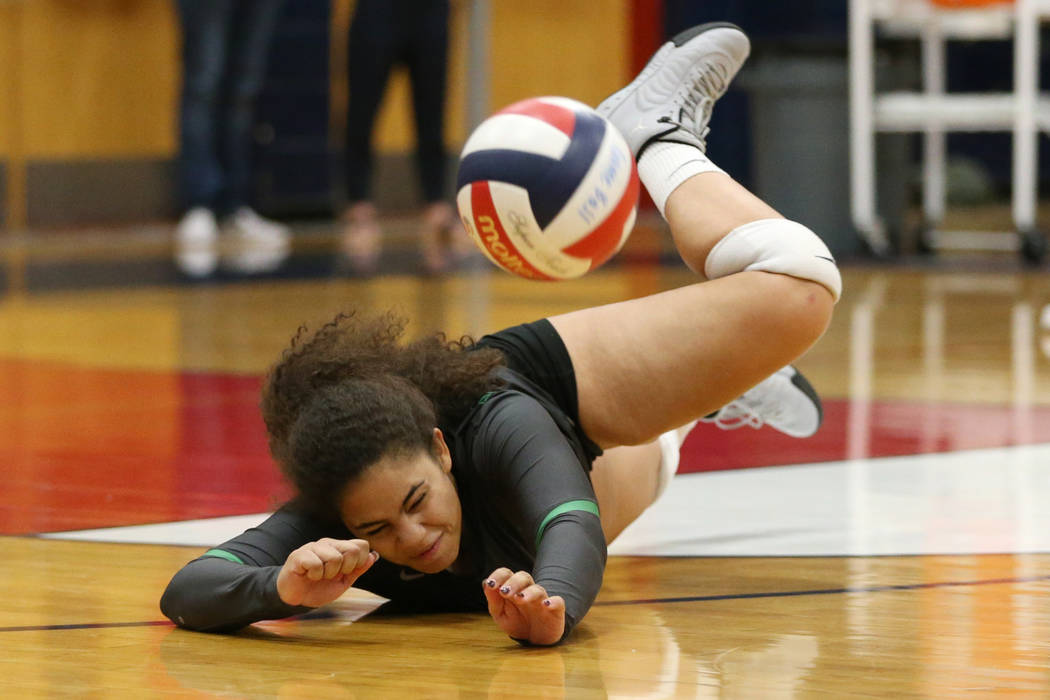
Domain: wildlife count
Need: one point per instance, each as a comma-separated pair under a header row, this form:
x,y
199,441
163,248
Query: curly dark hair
x,y
341,398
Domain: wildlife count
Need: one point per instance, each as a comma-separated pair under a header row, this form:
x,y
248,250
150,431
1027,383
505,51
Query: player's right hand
x,y
319,572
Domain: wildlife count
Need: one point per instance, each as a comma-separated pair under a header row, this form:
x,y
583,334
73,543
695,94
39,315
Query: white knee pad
x,y
775,245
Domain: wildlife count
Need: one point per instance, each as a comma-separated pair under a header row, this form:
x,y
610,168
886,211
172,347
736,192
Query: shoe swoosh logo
x,y
407,575
830,260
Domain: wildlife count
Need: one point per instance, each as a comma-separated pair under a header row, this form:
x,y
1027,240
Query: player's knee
x,y
803,311
792,317
775,245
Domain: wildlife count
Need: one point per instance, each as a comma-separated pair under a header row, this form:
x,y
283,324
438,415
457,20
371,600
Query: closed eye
x,y
374,527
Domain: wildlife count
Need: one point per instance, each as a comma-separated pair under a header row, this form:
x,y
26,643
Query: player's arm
x,y
552,503
282,567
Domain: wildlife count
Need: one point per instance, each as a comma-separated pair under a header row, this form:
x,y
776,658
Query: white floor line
x,y
204,532
980,501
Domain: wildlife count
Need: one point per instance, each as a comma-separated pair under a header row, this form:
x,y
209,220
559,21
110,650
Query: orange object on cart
x,y
964,4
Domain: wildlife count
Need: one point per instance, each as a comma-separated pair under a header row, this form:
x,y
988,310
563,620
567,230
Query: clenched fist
x,y
319,572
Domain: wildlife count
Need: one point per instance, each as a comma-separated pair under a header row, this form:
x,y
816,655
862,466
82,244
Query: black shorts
x,y
536,351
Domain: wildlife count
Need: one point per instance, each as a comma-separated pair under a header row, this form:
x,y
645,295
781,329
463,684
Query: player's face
x,y
407,507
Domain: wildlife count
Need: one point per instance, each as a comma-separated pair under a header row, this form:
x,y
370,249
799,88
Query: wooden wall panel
x,y
98,79
576,48
9,14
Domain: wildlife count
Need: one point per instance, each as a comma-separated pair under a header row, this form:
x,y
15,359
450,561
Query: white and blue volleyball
x,y
547,188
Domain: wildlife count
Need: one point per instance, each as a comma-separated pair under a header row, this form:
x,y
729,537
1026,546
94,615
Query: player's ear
x,y
441,451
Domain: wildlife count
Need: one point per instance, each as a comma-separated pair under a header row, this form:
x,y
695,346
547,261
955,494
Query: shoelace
x,y
745,411
736,415
707,86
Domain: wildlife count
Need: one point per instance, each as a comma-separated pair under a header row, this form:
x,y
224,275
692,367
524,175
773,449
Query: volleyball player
x,y
452,476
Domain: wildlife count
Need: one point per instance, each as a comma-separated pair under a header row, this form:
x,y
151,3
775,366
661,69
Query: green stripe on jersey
x,y
222,555
587,506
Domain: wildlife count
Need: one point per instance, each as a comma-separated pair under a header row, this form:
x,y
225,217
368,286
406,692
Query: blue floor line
x,y
640,601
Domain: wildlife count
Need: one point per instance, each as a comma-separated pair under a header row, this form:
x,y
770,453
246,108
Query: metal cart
x,y
934,112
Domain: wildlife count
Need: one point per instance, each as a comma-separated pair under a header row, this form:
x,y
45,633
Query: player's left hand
x,y
522,608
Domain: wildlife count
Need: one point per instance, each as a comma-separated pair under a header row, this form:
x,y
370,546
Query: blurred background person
x,y
225,45
385,33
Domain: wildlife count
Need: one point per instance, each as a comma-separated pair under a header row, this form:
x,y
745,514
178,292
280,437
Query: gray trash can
x,y
799,113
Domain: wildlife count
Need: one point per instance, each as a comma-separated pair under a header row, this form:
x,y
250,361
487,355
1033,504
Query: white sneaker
x,y
196,242
250,259
671,99
784,401
197,227
247,226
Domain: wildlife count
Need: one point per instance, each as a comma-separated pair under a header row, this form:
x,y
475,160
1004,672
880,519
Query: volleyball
x,y
547,188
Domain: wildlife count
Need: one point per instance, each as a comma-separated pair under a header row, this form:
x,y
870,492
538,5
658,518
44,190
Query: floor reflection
x,y
114,362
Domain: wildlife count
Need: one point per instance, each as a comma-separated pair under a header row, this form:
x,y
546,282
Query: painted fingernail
x,y
491,583
547,602
505,590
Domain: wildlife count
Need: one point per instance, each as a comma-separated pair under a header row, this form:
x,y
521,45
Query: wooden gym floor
x,y
901,552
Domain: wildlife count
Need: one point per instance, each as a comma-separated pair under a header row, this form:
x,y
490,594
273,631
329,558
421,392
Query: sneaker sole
x,y
803,385
682,37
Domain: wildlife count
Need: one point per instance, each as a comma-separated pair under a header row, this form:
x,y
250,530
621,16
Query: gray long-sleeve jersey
x,y
527,505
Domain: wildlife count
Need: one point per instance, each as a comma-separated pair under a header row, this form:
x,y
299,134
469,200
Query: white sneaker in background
x,y
671,99
197,227
247,226
256,244
197,242
784,401
255,259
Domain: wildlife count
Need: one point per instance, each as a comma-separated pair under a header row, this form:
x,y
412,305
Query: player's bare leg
x,y
626,481
649,365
